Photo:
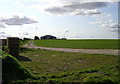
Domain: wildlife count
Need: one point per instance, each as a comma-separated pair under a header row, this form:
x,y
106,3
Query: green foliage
x,y
4,48
12,69
96,79
85,44
23,42
23,49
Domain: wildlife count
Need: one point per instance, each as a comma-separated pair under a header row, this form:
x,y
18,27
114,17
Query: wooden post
x,y
13,46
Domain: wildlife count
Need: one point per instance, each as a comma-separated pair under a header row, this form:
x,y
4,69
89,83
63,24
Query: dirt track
x,y
95,51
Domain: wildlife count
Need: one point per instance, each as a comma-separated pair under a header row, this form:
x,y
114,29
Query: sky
x,y
72,19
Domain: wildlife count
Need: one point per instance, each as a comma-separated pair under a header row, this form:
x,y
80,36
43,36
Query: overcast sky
x,y
62,18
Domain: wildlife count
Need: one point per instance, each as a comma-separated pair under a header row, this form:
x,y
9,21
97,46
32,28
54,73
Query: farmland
x,y
79,44
71,67
54,66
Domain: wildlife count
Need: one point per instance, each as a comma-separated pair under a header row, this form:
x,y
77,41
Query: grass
x,y
35,65
12,69
79,44
23,42
54,66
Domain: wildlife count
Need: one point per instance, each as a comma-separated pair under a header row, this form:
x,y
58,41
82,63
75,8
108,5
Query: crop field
x,y
70,67
79,44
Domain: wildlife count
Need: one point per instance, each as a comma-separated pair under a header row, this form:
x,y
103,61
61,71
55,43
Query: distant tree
x,y
26,39
63,38
36,38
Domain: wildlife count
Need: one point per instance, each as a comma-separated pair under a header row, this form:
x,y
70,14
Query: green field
x,y
41,66
71,67
79,44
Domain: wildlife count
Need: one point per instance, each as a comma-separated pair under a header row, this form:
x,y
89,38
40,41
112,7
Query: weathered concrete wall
x,y
13,46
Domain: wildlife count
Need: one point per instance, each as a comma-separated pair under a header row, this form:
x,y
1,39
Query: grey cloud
x,y
87,13
63,11
16,20
76,1
106,21
56,10
25,33
2,25
2,32
115,26
88,5
36,27
116,30
86,8
4,36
